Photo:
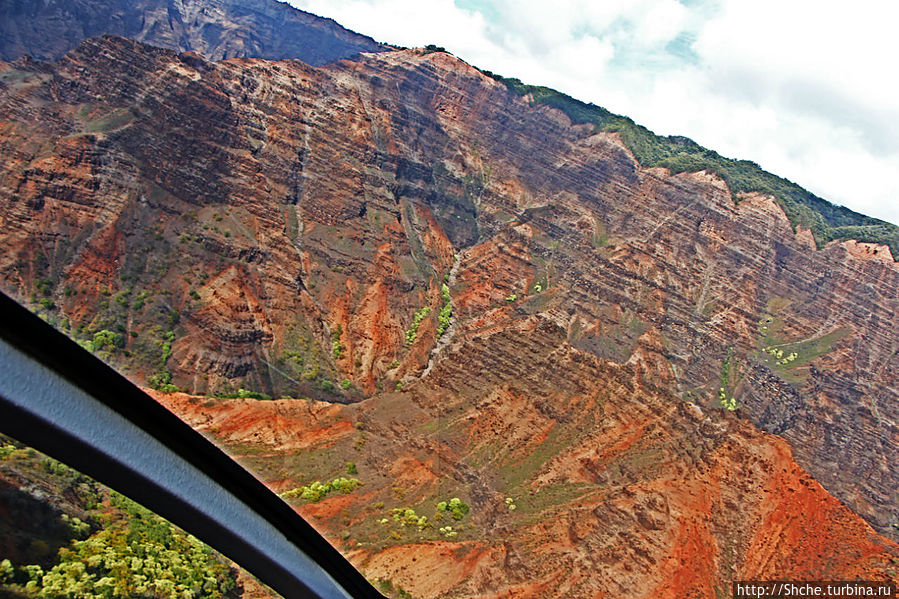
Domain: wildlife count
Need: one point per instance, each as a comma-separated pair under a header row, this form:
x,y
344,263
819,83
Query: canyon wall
x,y
248,226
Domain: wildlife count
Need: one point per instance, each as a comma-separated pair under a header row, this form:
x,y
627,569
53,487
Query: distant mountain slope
x,y
827,221
216,29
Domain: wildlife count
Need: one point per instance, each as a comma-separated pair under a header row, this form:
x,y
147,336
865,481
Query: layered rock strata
x,y
277,228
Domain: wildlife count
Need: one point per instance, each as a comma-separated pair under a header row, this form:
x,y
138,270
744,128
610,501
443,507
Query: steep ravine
x,y
447,336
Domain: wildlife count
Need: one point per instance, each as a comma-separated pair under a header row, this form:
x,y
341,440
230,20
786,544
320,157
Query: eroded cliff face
x,y
281,228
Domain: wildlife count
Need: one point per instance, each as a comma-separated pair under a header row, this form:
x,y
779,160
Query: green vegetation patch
x,y
729,378
11,76
406,521
446,312
408,517
162,379
139,555
787,358
412,332
115,548
516,472
319,490
600,236
244,394
550,496
112,121
299,465
455,507
337,348
391,589
303,365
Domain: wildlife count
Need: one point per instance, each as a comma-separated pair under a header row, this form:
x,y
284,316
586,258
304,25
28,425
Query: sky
x,y
809,89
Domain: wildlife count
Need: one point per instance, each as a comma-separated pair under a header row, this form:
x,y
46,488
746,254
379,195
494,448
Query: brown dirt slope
x,y
619,491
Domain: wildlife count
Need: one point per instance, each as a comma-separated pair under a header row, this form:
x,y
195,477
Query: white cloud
x,y
661,23
824,70
805,88
404,22
829,62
